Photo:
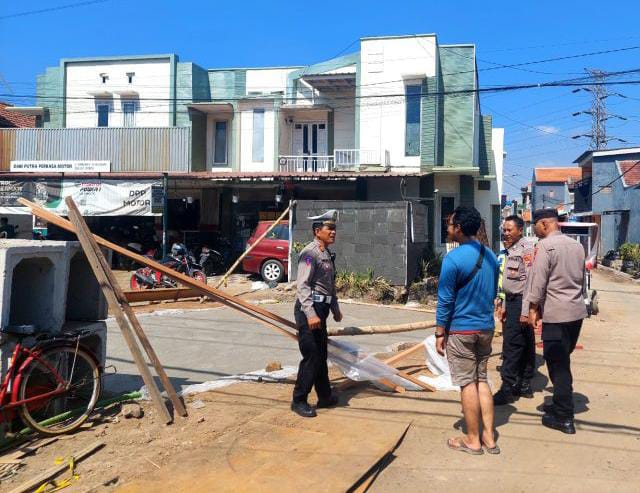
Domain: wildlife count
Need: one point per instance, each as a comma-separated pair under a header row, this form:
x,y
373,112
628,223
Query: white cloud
x,y
547,129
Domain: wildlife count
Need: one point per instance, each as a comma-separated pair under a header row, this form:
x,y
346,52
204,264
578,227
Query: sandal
x,y
495,450
459,445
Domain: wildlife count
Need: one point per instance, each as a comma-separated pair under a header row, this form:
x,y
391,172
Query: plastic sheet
x,y
358,365
439,366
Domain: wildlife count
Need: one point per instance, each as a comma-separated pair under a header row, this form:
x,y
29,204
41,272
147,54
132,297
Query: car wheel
x,y
272,271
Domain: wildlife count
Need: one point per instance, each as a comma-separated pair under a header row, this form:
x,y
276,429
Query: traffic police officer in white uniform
x,y
315,299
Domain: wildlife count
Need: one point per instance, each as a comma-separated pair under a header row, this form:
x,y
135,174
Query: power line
x,y
52,9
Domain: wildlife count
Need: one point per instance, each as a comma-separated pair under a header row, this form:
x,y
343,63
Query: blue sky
x,y
538,122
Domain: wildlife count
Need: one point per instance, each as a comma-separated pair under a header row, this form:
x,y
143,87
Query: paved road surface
x,y
198,346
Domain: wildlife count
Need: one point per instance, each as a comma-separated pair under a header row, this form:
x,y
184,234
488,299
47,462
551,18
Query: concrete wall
x,y
152,79
371,235
545,195
267,80
498,156
387,65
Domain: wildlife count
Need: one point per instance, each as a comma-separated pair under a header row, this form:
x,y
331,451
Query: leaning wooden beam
x,y
93,254
379,329
160,294
36,481
403,354
234,302
255,244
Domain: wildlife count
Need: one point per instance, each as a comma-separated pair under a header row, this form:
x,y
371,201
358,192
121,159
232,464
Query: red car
x,y
270,258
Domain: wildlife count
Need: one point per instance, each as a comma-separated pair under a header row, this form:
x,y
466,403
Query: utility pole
x,y
598,112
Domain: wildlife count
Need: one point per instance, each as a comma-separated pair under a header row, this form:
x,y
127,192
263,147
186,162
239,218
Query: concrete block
x,y
85,300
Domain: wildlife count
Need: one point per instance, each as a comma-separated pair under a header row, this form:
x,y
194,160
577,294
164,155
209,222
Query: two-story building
x,y
553,187
399,119
609,194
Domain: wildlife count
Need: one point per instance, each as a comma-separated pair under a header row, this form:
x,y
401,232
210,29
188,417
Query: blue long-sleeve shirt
x,y
471,307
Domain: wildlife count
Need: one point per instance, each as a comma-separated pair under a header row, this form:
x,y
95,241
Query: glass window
x,y
412,126
283,233
220,143
129,113
258,136
103,115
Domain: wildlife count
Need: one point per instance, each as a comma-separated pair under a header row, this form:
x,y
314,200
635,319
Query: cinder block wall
x,y
371,235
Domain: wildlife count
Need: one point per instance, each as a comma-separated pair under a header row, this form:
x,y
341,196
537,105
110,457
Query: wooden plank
x,y
255,244
108,290
54,471
27,449
403,354
160,294
239,304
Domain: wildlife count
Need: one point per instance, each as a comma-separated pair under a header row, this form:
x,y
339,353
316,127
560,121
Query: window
x,y
103,115
447,204
129,113
484,185
412,125
258,136
220,143
280,232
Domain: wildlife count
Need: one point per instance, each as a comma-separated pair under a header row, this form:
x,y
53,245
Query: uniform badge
x,y
527,259
308,260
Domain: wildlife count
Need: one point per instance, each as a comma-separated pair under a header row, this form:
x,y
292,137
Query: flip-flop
x,y
463,447
495,450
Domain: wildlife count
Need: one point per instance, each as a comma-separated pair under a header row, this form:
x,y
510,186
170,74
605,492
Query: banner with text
x,y
94,197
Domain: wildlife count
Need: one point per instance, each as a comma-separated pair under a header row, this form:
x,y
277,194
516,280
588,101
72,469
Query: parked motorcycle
x,y
212,261
180,260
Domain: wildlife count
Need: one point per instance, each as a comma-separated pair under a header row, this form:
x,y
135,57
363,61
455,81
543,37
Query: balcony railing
x,y
342,160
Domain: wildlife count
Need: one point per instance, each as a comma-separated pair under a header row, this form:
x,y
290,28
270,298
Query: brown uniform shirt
x,y
316,274
557,279
517,266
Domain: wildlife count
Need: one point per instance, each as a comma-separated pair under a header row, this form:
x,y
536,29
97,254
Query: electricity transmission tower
x,y
598,111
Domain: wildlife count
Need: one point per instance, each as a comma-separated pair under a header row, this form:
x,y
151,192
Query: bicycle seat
x,y
20,330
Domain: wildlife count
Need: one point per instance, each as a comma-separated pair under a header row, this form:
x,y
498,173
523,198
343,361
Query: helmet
x,y
178,249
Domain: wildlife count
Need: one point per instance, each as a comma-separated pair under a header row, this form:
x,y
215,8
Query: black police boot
x,y
565,425
330,402
549,408
503,396
524,389
303,409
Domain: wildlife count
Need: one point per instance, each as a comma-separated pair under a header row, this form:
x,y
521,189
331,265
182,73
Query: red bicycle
x,y
53,386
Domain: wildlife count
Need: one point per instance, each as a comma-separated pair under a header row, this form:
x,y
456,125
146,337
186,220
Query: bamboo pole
x,y
252,246
93,254
379,329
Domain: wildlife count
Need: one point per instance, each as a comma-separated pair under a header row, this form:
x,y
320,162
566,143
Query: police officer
x,y
518,343
316,297
554,296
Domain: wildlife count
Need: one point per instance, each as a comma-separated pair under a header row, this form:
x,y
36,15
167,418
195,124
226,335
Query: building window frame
x,y
258,130
225,160
129,113
413,118
102,113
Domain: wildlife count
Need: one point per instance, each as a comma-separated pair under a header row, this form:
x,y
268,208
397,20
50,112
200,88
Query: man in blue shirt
x,y
465,323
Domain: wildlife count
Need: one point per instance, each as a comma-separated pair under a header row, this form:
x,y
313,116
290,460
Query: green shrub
x,y
361,285
630,252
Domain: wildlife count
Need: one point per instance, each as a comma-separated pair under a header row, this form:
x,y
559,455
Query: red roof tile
x,y
557,175
14,120
631,172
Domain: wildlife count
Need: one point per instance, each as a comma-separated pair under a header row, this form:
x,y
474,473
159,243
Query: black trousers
x,y
518,346
559,342
313,370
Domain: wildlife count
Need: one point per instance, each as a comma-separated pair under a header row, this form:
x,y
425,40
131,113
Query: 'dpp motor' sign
x,y
93,197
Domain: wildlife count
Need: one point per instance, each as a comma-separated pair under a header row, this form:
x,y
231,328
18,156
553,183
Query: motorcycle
x,y
180,260
212,261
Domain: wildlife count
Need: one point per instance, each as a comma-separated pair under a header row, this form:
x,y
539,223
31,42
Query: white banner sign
x,y
93,197
61,166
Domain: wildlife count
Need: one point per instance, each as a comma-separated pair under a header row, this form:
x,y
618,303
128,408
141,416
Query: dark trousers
x,y
559,342
518,346
313,370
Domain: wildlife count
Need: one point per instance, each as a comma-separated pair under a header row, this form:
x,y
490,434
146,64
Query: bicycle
x,y
53,386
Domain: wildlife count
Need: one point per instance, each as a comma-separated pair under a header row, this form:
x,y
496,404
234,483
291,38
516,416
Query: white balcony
x,y
341,160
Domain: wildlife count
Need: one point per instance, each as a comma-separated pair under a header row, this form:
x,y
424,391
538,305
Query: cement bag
x,y
439,366
358,365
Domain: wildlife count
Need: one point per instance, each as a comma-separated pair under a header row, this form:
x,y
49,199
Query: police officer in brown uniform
x,y
554,295
316,298
518,343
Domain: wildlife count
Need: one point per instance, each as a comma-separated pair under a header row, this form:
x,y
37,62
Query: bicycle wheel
x,y
67,411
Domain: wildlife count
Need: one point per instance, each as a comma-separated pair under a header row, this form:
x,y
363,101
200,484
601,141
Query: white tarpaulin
x,y
94,197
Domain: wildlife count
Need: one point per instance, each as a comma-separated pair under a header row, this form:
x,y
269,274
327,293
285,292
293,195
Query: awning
x,y
127,93
331,81
100,94
212,108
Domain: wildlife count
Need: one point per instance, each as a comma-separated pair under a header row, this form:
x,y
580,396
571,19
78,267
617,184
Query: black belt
x,y
512,297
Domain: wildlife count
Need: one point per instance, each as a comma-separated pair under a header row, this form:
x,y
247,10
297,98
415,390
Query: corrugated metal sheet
x,y
129,149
